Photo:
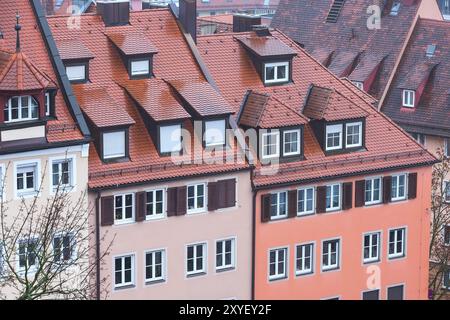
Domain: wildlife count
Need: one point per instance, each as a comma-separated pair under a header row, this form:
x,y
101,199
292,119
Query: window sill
x,y
121,223
195,212
330,269
225,269
124,287
307,214
277,278
302,274
197,274
152,282
27,194
278,218
365,262
398,199
371,204
396,257
156,218
333,210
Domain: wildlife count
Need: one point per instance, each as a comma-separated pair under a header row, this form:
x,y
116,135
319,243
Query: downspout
x,y
255,192
97,245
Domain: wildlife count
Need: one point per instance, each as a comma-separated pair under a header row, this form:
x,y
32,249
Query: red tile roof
x,y
132,43
74,49
342,62
365,67
417,75
265,46
387,145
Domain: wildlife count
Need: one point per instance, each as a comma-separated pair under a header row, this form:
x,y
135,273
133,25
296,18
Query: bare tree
x,y
46,246
440,219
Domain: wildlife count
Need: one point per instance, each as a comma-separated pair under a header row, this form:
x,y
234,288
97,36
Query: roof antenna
x,y
18,28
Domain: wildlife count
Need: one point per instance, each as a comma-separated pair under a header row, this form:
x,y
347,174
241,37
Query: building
x,y
224,23
44,138
444,5
181,218
345,213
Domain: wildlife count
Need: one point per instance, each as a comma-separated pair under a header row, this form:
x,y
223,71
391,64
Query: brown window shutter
x,y
347,195
181,201
292,203
387,187
265,208
321,199
140,206
231,193
412,185
172,202
213,195
221,194
360,189
107,210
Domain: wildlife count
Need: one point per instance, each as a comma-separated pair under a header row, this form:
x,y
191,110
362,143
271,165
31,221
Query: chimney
x,y
114,12
187,14
245,22
261,30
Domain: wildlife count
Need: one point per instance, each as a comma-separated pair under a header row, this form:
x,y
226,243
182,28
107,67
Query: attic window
x,y
334,137
276,72
21,109
170,138
408,98
395,9
359,85
77,72
215,133
114,145
431,48
140,67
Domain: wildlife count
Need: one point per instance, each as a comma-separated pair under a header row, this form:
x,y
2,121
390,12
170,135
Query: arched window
x,y
21,108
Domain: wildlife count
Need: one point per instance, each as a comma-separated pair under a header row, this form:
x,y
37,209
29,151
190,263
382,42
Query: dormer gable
x,y
76,58
366,71
413,85
343,62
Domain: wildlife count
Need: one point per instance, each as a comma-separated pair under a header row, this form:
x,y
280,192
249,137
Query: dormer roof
x,y
343,61
366,66
265,46
132,43
416,76
74,49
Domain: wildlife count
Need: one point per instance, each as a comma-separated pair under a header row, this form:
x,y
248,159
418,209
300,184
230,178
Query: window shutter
x,y
140,206
412,185
360,190
292,203
387,187
321,199
231,193
221,196
181,201
107,211
347,195
265,208
213,195
172,202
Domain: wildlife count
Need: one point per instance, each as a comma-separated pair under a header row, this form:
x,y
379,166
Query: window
x,y
304,256
114,145
446,279
431,48
397,243
371,247
124,208
277,263
76,73
225,254
170,138
140,67
215,133
333,197
26,179
62,173
395,293
21,109
305,201
334,137
398,191
447,191
124,271
447,147
276,72
447,234
291,142
395,8
196,198
47,103
371,295
359,85
2,260
155,264
270,145
155,204
196,259
373,191
28,254
63,248
330,254
419,137
408,98
278,205
353,134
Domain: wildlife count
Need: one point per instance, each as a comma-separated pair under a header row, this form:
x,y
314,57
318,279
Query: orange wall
x,y
350,280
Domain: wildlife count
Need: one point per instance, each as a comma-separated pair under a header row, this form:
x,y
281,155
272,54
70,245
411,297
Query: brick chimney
x,y
114,12
188,17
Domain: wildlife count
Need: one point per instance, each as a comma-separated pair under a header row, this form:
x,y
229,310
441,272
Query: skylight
x,y
395,9
431,48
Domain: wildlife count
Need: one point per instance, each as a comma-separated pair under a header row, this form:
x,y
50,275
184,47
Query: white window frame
x,y
332,129
47,103
397,197
133,269
372,193
445,273
446,146
224,266
197,271
28,192
359,85
212,132
276,65
155,216
329,266
277,145
196,209
306,212
298,132
446,243
73,253
408,98
396,254
19,109
278,275
140,71
304,271
153,252
114,155
33,267
332,195
72,172
278,214
352,124
77,68
176,146
371,258
125,220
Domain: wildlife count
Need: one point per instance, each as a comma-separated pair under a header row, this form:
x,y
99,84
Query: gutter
x,y
97,246
253,280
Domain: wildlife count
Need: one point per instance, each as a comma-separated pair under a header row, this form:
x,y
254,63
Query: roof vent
x,y
335,10
431,48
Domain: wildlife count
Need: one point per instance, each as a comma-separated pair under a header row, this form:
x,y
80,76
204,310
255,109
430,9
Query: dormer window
x,y
170,139
214,133
270,145
359,85
408,98
140,67
276,72
353,132
77,73
21,109
395,9
114,145
291,142
334,137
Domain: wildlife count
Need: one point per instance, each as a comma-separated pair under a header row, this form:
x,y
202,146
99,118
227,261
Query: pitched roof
x,y
304,22
132,43
74,49
367,64
432,113
265,46
342,62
